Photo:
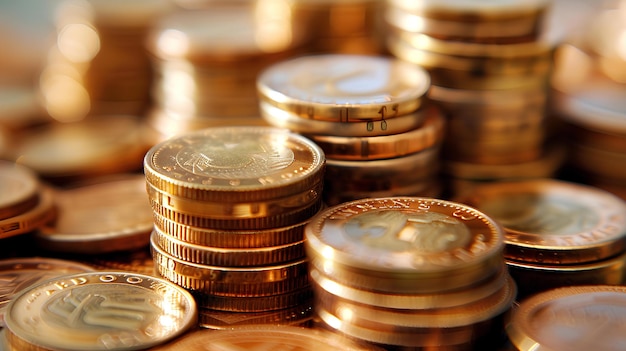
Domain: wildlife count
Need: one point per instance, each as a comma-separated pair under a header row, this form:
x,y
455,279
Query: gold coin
x,y
98,218
239,304
402,236
235,164
231,281
266,337
570,318
19,187
18,274
284,119
99,311
463,99
32,219
213,256
253,238
474,11
383,147
299,315
431,187
552,221
137,261
344,88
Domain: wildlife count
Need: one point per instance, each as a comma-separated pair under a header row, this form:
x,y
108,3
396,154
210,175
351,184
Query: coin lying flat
x,y
99,218
99,311
17,274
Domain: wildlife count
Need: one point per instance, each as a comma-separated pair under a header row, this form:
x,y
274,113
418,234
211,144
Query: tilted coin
x,y
570,318
17,274
410,237
98,218
32,219
235,164
344,88
19,187
553,221
99,311
266,337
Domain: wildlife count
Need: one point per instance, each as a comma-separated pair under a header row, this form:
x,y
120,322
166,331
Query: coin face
x,y
234,164
19,273
344,88
100,311
571,318
404,234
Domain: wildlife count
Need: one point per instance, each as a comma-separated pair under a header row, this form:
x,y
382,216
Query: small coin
x,y
344,88
16,274
571,318
99,311
99,218
19,187
34,218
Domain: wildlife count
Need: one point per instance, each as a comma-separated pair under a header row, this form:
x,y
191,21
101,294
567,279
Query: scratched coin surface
x,y
344,88
99,311
17,274
410,235
572,318
553,221
235,164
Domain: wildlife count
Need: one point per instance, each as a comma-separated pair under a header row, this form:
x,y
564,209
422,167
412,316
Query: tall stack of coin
x,y
25,204
590,103
368,114
410,272
489,71
230,205
99,64
557,233
207,60
343,26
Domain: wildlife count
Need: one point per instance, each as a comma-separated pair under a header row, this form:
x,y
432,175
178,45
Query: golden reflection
x,y
273,21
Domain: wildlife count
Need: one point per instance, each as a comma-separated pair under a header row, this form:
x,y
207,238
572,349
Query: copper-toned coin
x,y
570,318
420,239
238,304
19,187
344,88
99,311
474,11
17,274
32,219
552,221
235,164
265,337
296,316
384,146
99,218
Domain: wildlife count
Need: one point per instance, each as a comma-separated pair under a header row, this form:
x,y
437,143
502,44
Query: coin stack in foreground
x,y
97,311
25,204
230,205
489,72
367,113
571,318
556,233
410,272
206,62
99,64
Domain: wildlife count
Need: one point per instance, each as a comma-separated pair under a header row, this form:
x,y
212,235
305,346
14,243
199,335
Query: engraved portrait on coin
x,y
399,231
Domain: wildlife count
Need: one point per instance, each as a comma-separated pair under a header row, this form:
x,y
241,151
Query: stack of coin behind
x,y
489,71
367,113
99,64
410,272
25,204
557,233
230,205
589,94
207,60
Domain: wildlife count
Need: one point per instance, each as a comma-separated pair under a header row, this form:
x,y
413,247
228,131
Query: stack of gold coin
x,y
25,204
368,114
230,205
206,61
410,272
99,310
343,26
558,233
570,318
489,70
589,91
99,64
